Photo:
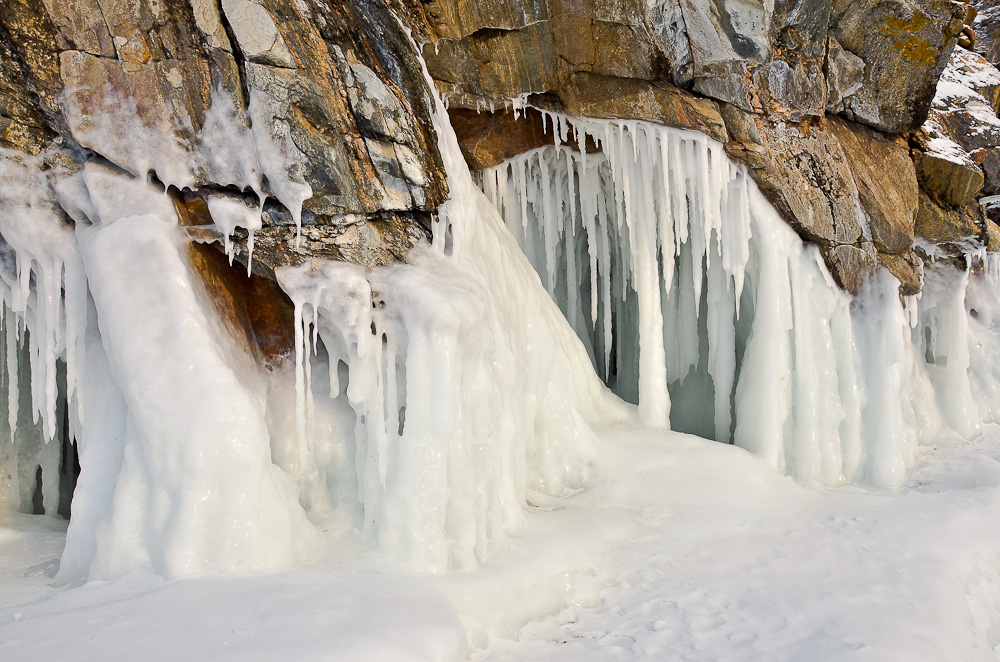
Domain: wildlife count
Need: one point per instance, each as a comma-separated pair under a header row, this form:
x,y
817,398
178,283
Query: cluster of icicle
x,y
453,388
465,389
430,401
684,284
249,151
176,473
43,319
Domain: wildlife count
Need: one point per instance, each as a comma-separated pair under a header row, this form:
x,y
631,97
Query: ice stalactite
x,y
468,388
674,270
175,452
44,303
452,389
428,402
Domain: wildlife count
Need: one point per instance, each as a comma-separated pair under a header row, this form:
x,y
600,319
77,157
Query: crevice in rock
x,y
239,58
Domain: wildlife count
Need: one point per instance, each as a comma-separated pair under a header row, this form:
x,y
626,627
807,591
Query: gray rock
x,y
905,47
844,75
256,33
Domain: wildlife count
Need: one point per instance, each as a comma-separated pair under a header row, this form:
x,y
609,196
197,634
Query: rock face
x,y
879,65
319,110
782,76
957,153
318,114
905,47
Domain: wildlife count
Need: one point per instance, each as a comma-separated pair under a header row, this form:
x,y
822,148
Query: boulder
x,y
905,46
948,230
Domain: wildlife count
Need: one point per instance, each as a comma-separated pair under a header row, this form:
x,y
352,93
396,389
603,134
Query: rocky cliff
x,y
868,130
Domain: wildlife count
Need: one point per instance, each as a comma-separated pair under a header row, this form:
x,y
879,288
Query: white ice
x,y
779,360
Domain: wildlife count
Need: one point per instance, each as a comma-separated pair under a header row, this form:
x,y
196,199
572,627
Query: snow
x,y
728,562
679,548
958,92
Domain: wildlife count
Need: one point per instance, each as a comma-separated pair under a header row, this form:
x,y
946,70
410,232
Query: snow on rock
x,y
962,121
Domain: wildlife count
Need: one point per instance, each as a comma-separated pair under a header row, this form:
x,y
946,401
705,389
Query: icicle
x,y
11,326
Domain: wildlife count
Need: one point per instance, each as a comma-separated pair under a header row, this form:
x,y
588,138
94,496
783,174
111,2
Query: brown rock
x,y
954,230
486,139
851,266
908,270
28,38
257,313
588,95
993,236
950,181
886,181
81,26
804,172
496,65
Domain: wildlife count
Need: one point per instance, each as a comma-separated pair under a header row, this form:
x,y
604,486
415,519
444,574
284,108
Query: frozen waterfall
x,y
685,285
428,403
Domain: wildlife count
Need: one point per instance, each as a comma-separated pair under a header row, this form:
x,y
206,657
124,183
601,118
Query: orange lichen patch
x,y
915,22
911,47
917,50
255,310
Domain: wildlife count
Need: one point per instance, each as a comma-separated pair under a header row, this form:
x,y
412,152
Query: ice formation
x,y
468,389
428,402
176,472
683,282
452,387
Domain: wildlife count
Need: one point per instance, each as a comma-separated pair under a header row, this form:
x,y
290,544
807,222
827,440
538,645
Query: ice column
x,y
470,390
674,270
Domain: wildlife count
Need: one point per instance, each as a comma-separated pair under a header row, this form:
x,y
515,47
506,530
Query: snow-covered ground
x,y
678,549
